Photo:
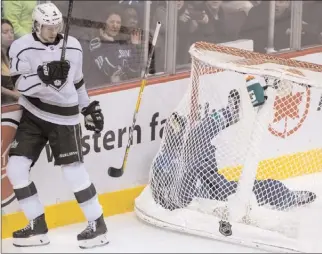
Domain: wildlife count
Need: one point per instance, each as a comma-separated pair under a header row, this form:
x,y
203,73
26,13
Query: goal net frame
x,y
215,59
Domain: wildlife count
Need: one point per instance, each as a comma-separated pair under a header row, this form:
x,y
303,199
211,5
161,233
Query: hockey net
x,y
232,172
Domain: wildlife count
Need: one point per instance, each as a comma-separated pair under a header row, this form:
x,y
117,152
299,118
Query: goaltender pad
x,y
232,172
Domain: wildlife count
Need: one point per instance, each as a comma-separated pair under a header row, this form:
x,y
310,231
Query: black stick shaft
x,y
66,32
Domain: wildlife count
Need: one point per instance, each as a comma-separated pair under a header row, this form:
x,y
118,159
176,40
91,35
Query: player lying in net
x,y
176,182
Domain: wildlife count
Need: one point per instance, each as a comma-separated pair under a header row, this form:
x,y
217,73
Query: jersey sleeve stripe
x,y
23,91
16,78
17,64
30,48
30,75
21,51
79,84
73,49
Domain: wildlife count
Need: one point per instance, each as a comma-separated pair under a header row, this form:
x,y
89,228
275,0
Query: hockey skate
x,y
94,235
34,234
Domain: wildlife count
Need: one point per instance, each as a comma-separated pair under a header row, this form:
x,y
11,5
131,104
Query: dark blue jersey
x,y
104,58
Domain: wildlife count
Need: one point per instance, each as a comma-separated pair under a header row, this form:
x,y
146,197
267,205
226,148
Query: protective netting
x,y
222,158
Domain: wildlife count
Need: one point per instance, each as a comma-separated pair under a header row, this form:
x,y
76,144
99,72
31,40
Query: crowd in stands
x,y
114,41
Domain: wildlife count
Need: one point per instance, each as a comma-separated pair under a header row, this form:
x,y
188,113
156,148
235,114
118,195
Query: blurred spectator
x,y
109,56
130,26
19,14
214,30
235,6
183,33
312,23
255,3
188,30
199,19
8,92
257,23
138,6
234,17
128,1
225,20
132,29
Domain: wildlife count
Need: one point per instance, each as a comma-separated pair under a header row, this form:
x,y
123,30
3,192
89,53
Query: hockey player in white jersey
x,y
53,95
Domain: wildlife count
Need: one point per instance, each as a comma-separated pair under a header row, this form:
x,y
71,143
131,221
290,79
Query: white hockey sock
x,y
85,192
92,209
32,207
26,193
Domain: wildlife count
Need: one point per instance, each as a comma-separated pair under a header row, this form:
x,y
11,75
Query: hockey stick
x,y
66,32
117,172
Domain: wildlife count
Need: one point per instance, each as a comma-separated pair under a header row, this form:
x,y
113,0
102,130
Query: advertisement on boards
x,y
287,129
105,149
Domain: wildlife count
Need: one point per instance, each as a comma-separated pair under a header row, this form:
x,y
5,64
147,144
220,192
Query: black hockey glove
x,y
53,71
94,119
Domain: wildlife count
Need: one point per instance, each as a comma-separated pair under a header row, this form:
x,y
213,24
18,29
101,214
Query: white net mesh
x,y
222,160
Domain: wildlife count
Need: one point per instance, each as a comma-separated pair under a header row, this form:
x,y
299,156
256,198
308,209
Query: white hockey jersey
x,y
59,106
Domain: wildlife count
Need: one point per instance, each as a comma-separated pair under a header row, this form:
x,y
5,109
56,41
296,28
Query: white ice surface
x,y
129,234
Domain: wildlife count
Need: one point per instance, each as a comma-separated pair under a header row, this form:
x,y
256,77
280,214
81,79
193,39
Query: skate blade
x,y
98,241
35,240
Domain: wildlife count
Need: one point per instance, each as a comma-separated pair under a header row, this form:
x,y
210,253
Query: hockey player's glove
x,y
256,91
54,73
177,122
94,119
